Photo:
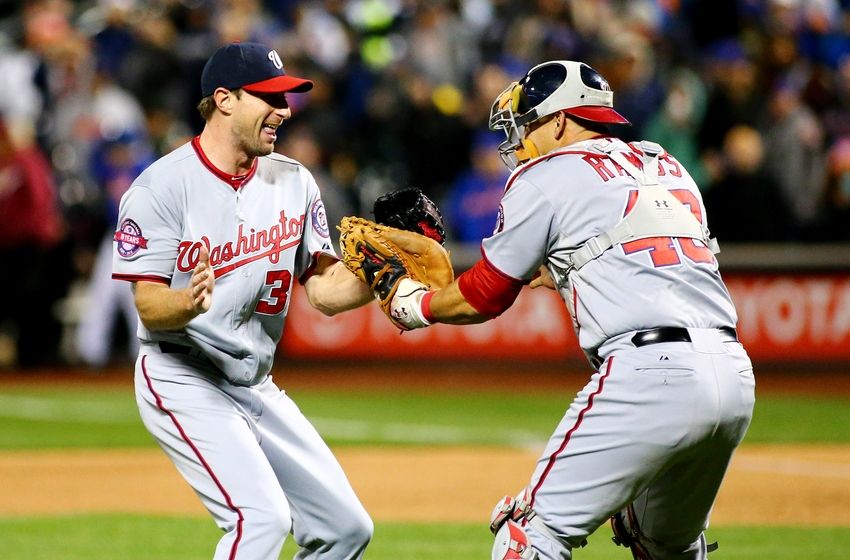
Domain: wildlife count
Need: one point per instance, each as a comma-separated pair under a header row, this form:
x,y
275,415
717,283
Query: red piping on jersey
x,y
141,278
486,288
200,457
575,311
551,155
234,181
568,435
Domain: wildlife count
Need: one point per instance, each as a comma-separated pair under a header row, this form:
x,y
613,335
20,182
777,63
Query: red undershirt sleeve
x,y
489,290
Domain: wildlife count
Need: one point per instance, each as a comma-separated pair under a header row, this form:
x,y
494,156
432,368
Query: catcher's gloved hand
x,y
412,210
387,258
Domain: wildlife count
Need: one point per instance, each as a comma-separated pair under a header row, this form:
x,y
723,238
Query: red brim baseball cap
x,y
252,67
597,113
280,84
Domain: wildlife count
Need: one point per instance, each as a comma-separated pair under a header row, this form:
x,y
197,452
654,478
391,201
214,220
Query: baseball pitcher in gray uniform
x,y
212,237
620,231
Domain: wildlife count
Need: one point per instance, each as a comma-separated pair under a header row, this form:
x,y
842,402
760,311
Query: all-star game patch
x,y
320,219
129,238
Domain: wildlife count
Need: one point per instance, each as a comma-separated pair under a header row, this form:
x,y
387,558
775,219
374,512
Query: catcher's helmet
x,y
557,85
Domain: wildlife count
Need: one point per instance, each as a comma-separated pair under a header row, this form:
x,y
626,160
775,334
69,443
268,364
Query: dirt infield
x,y
767,485
771,485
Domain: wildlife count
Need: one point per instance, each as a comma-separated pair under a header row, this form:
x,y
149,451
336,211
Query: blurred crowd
x,y
753,96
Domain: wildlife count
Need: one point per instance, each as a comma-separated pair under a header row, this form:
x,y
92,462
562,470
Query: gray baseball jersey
x,y
581,193
260,237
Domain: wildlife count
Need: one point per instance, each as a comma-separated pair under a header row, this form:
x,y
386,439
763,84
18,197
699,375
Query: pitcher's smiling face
x,y
256,119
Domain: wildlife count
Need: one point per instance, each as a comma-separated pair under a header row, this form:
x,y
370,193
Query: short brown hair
x,y
206,106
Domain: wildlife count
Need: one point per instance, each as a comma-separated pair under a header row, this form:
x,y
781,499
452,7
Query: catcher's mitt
x,y
381,256
412,210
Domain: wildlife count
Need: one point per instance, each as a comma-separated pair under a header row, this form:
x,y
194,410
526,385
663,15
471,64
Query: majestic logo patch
x,y
320,219
129,238
500,221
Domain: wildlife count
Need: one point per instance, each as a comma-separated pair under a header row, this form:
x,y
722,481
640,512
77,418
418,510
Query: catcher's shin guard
x,y
512,543
627,533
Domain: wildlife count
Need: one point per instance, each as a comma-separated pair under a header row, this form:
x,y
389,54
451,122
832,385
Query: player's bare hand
x,y
202,283
542,278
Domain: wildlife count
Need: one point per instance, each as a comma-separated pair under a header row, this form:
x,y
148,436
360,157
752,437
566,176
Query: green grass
x,y
72,417
94,417
126,537
103,417
800,419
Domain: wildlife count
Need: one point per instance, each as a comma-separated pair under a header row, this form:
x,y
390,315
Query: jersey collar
x,y
234,181
570,149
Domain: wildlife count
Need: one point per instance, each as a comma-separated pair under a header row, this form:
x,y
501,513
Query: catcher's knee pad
x,y
518,511
512,543
515,509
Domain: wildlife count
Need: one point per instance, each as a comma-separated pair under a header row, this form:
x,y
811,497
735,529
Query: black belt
x,y
171,348
676,334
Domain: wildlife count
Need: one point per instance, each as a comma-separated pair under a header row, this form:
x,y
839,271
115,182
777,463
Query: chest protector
x,y
656,213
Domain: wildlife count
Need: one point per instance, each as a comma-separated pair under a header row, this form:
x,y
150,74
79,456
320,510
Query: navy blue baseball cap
x,y
252,67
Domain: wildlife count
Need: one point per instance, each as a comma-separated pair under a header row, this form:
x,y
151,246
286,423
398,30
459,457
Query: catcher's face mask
x,y
559,85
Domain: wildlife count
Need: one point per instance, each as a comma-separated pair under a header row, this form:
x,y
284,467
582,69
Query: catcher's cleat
x,y
512,543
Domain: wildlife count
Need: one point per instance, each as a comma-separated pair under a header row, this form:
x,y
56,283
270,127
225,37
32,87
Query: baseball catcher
x,y
399,252
622,233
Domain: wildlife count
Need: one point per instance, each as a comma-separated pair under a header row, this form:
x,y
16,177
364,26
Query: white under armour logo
x,y
275,58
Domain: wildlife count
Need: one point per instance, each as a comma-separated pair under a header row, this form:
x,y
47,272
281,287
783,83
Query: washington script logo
x,y
253,246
